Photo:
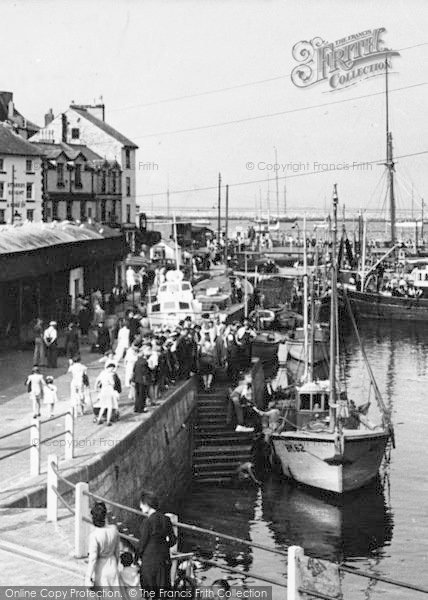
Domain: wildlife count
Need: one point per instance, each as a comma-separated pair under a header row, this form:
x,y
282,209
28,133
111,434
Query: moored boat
x,y
174,302
328,442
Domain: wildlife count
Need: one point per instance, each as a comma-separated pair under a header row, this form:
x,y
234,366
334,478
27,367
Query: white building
x,y
20,178
85,124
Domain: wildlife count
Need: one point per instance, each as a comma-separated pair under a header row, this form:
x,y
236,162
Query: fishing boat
x,y
376,304
174,302
327,442
216,294
296,342
265,346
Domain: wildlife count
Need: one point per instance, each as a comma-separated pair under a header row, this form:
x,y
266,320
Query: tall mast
x,y
390,160
305,302
219,209
276,183
333,312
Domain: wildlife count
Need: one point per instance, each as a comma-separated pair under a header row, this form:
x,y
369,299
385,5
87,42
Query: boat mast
x,y
176,243
305,302
333,314
276,184
390,161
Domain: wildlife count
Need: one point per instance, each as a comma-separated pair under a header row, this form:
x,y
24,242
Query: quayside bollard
x,y
52,483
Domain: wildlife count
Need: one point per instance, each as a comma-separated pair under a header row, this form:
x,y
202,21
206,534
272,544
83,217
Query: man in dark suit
x,y
156,538
141,379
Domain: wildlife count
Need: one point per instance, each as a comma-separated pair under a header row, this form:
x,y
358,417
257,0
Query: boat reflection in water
x,y
336,528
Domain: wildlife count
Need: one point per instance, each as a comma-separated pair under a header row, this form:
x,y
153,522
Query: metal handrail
x,y
52,437
2,437
64,414
65,503
16,452
342,568
241,572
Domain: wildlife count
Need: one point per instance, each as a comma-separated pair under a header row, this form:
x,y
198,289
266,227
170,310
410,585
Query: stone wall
x,y
156,456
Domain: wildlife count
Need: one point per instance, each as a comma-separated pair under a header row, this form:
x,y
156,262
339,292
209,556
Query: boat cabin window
x,y
162,288
184,305
156,308
186,286
305,402
308,401
169,305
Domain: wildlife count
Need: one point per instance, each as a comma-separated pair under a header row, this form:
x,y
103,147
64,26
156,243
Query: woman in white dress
x,y
104,549
131,357
106,393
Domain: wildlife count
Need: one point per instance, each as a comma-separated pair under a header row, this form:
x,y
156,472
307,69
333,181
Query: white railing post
x,y
295,556
174,520
69,435
52,498
81,527
35,448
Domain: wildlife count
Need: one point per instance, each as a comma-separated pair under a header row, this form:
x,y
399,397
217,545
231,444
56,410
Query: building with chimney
x,y
79,185
9,114
20,178
86,125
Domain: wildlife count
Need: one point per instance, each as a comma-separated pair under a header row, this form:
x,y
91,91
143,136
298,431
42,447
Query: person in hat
x,y
79,381
131,358
50,395
72,341
50,339
35,385
141,378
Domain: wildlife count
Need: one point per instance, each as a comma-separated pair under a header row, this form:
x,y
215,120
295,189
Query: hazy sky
x,y
142,52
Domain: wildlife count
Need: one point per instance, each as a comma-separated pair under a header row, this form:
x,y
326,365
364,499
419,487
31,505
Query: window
x,y
155,307
83,211
103,211
75,133
2,213
113,182
89,212
1,164
29,166
127,158
1,189
103,182
60,174
54,211
29,192
48,213
69,210
305,402
184,305
78,176
30,214
128,213
128,186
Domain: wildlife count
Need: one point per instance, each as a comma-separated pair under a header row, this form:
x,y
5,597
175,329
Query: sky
x,y
138,55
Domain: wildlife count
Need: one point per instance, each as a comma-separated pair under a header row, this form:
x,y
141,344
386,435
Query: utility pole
x,y
219,209
13,194
422,221
285,199
167,203
226,226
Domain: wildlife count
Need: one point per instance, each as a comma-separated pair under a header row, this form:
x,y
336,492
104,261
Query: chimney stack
x,y
49,117
64,128
10,109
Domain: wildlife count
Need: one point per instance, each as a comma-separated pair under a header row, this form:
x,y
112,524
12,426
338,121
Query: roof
x,y
71,151
33,236
108,129
5,98
13,144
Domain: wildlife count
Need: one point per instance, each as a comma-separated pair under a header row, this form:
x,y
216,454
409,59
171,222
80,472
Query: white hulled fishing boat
x,y
174,302
328,443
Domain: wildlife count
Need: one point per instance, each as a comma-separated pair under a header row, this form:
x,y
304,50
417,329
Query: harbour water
x,y
382,529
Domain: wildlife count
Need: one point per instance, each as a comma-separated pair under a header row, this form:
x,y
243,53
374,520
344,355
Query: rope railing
x,y
214,563
185,526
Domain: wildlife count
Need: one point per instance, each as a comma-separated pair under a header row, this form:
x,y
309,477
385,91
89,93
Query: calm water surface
x,y
382,529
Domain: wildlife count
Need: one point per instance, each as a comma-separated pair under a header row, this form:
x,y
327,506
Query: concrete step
x,y
215,474
219,450
233,439
226,463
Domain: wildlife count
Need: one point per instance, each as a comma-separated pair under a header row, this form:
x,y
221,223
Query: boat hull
x,y
309,458
376,306
296,350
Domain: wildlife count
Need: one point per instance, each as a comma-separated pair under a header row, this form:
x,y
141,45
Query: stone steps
x,y
219,450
